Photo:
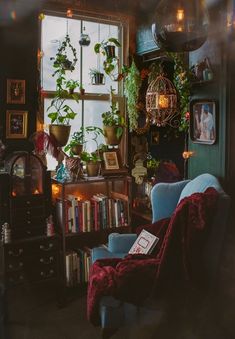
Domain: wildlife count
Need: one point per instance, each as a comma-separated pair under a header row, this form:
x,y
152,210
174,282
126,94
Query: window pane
x,y
54,30
92,117
91,60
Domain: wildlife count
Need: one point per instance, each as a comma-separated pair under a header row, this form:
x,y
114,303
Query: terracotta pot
x,y
92,168
60,133
77,149
110,135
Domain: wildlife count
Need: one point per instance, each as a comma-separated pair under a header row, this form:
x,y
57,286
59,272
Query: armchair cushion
x,y
120,243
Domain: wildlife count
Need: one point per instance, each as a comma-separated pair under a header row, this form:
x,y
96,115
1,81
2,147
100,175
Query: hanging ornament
x,y
84,38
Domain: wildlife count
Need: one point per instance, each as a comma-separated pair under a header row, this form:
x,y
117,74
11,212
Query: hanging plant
x,y
182,81
61,61
131,89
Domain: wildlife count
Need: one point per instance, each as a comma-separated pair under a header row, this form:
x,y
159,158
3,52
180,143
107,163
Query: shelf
x,y
147,216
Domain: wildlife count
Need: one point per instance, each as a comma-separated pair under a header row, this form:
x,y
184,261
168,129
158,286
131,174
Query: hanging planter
x,y
61,60
110,51
60,133
97,78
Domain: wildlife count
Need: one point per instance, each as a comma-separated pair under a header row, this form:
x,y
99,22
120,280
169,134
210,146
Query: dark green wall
x,y
212,158
18,59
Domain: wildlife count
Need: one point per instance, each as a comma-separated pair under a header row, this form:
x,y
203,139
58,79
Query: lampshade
x,y
180,25
161,101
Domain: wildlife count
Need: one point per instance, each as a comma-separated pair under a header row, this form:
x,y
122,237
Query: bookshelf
x,y
85,213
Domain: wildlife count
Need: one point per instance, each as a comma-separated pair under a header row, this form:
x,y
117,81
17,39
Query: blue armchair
x,y
164,199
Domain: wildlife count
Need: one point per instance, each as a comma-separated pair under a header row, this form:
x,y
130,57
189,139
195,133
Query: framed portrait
x,y
111,160
203,121
16,124
15,91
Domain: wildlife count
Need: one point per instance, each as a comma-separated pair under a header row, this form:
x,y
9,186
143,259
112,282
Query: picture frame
x,y
111,160
112,164
15,91
203,121
16,124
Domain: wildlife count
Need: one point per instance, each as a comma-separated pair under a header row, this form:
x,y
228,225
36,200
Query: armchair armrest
x,y
121,243
165,197
118,247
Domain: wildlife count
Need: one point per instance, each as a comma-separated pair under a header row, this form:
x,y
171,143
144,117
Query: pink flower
x,y
187,115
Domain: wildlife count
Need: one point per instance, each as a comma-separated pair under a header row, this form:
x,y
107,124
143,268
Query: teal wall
x,y
212,158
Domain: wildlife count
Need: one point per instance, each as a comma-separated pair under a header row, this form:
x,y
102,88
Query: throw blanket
x,y
178,257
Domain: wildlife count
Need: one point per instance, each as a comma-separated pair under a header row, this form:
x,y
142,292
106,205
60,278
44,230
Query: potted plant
x,y
71,85
107,48
75,146
60,116
97,77
113,123
81,89
93,163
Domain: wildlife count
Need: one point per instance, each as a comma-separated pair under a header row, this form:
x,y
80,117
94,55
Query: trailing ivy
x,y
182,81
132,87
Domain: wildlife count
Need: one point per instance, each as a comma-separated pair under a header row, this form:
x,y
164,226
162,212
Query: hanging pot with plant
x,y
61,60
113,123
97,77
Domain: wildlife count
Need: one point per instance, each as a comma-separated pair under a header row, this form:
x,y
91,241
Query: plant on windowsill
x,y
75,146
113,123
71,85
93,163
107,49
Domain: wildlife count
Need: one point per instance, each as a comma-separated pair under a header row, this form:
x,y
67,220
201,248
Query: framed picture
x,y
15,91
111,160
16,124
203,121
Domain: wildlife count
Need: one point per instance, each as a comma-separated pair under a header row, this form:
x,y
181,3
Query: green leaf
x,y
97,47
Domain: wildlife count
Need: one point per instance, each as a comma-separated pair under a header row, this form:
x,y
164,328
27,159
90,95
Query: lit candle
x,y
180,14
69,13
163,101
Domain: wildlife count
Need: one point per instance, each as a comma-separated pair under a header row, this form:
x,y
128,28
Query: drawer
x,y
27,212
16,252
25,232
44,273
23,202
14,278
15,265
28,220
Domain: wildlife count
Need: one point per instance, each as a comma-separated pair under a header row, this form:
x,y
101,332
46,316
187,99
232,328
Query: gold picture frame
x,y
16,124
15,91
111,160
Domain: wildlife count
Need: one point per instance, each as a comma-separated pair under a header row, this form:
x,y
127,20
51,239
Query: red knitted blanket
x,y
177,257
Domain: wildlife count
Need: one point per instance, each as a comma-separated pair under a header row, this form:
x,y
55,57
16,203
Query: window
x,y
96,99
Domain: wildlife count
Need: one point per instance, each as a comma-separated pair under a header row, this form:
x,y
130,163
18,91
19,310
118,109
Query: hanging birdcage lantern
x,y
161,102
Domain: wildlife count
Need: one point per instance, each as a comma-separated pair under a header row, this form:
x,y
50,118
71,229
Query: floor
x,y
34,314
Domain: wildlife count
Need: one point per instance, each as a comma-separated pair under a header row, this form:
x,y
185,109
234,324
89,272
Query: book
x,y
144,244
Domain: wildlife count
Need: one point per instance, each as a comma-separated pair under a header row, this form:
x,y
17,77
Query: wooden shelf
x,y
146,216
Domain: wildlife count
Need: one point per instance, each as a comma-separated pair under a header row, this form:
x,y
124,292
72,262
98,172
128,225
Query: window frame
x,y
123,23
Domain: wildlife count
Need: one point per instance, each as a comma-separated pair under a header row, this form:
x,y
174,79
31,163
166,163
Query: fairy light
x,y
69,13
41,16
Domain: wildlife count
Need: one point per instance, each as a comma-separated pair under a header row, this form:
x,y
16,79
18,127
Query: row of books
x,y
99,212
77,264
